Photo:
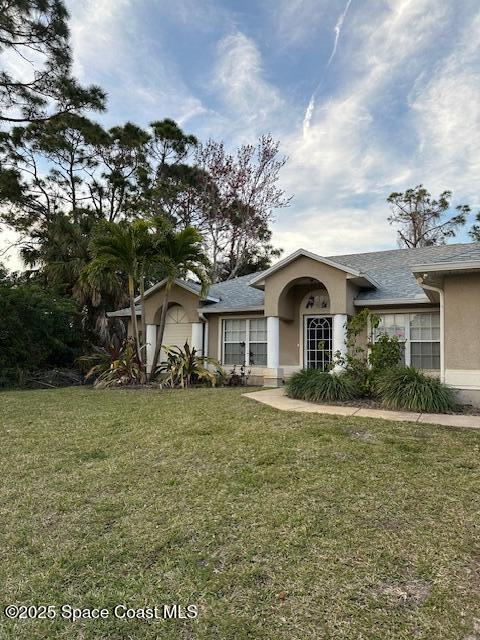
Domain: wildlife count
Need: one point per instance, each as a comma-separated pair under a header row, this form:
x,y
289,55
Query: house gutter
x,y
441,295
382,302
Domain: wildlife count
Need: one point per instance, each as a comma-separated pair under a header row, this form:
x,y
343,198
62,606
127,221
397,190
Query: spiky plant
x,y
184,367
411,389
114,365
319,386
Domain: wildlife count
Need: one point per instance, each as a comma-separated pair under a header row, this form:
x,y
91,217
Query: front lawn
x,y
277,525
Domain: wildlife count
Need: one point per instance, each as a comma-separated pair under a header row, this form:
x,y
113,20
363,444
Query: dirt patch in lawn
x,y
408,594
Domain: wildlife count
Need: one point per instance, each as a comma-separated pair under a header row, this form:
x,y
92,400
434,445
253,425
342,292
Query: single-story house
x,y
293,315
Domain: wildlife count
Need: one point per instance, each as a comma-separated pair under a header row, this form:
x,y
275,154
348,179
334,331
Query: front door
x,y
318,342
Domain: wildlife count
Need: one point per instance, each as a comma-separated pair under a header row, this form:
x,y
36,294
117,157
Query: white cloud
x,y
95,29
343,170
297,22
250,101
335,230
141,77
446,111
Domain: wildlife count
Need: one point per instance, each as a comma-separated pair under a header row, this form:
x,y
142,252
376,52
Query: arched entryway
x,y
307,332
286,286
305,325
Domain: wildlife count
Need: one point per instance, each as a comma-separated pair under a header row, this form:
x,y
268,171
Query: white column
x,y
151,341
273,342
442,335
339,336
205,339
197,337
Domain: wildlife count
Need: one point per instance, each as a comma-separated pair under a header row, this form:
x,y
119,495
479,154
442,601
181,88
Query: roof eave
x,y
231,310
364,281
181,284
466,265
390,301
122,313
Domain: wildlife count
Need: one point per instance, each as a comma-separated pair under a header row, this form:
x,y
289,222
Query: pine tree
x,y
37,83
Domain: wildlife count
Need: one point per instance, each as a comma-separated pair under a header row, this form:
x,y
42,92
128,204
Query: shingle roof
x,y
236,294
391,269
471,255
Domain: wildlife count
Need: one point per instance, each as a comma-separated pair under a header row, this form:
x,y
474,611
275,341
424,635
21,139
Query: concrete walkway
x,y
276,398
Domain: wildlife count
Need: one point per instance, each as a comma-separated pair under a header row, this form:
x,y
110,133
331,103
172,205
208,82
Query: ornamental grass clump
x,y
410,389
319,386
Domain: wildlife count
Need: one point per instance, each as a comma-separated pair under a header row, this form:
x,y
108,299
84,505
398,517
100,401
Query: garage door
x,y
178,329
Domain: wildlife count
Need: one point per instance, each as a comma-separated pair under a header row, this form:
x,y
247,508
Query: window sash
x,y
422,328
425,355
250,334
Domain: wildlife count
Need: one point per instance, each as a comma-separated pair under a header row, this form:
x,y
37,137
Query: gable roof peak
x,y
258,280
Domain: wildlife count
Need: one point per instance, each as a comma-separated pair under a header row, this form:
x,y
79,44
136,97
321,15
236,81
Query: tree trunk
x,y
161,328
144,324
131,295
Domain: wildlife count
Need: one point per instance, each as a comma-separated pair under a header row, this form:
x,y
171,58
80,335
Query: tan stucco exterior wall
x,y
289,341
277,301
462,321
178,295
290,328
213,328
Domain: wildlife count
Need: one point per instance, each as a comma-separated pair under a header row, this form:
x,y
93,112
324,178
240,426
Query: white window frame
x,y
408,341
247,340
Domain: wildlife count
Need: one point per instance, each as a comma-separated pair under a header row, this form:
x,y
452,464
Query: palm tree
x,y
179,253
126,248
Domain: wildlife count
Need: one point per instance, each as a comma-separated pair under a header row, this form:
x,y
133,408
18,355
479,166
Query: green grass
x,y
282,526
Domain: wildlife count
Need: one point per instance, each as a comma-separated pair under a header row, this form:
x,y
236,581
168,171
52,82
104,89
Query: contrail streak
x,y
308,115
311,105
338,28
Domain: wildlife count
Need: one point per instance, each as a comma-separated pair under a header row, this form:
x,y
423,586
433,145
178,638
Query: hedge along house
x,y
293,315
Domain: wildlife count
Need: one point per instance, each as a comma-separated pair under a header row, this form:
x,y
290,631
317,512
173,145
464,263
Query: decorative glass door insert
x,y
318,342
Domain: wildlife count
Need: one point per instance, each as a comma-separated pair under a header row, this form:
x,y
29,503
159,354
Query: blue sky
x,y
398,104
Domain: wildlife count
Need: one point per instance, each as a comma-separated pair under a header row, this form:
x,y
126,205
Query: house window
x,y
419,334
425,340
245,341
394,325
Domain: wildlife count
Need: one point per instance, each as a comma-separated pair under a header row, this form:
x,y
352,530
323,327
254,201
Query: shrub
x,y
366,358
408,388
39,330
385,353
238,378
319,386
